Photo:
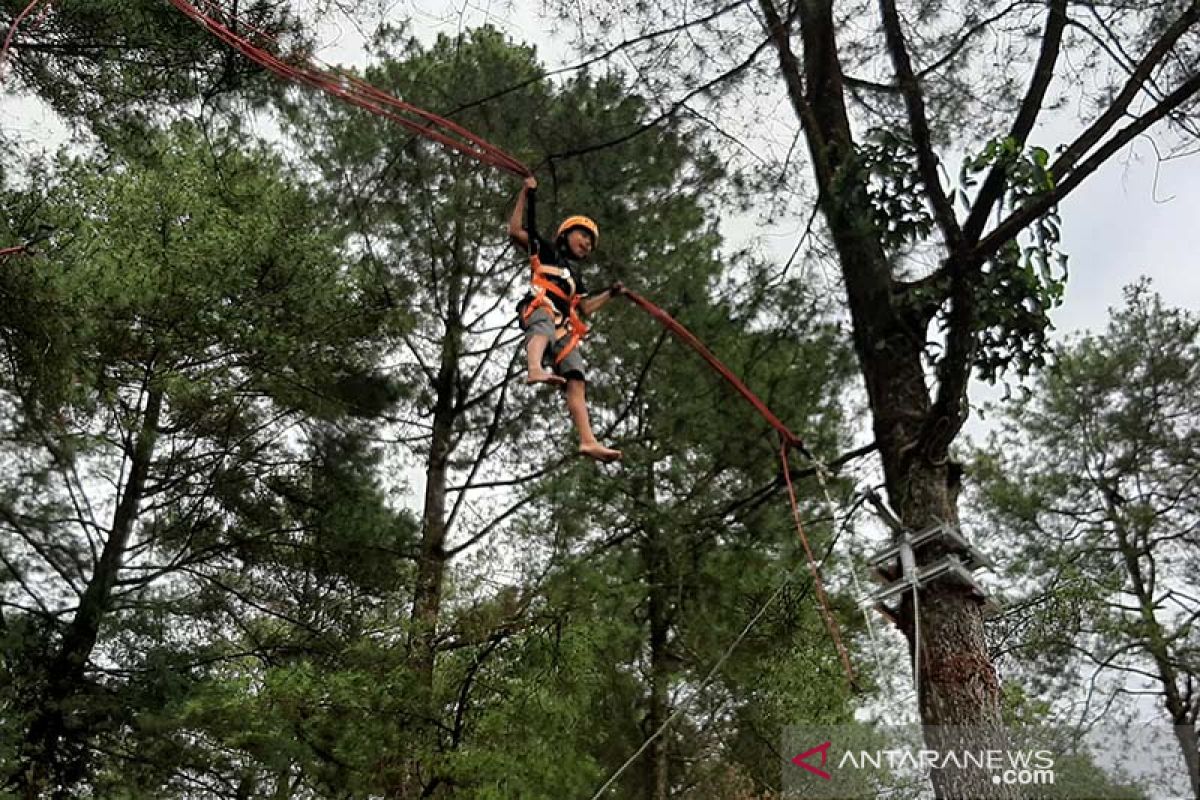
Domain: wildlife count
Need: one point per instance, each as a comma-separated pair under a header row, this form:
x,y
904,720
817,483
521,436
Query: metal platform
x,y
896,567
969,556
948,568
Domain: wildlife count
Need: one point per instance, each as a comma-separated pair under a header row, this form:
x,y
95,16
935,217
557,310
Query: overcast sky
x,y
1117,226
1122,223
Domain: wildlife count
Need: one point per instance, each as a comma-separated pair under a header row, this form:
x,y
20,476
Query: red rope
x,y
12,30
789,440
355,91
12,251
689,338
830,623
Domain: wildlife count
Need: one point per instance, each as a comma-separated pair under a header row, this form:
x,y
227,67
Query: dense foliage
x,y
279,519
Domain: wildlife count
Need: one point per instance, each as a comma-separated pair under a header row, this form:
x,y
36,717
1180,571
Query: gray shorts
x,y
540,323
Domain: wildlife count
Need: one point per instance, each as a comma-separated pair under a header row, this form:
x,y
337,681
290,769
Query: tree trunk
x,y
658,769
43,766
957,683
1158,649
427,606
431,564
433,559
1189,743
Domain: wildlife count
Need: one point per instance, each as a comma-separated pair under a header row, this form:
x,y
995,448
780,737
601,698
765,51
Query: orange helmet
x,y
579,221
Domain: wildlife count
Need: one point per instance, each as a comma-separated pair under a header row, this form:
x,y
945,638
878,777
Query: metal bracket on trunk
x,y
951,537
948,568
896,566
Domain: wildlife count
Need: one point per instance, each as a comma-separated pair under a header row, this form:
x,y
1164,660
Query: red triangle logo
x,y
802,760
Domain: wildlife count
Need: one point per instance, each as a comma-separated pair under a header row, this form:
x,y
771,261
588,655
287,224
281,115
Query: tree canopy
x,y
280,520
1093,476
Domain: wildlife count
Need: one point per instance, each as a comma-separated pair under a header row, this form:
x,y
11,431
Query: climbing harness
x,y
572,325
543,277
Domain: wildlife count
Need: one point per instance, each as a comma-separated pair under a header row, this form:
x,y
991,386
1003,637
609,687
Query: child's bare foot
x,y
544,376
599,452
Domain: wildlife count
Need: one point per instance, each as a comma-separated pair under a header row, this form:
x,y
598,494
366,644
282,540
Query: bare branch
x,y
669,113
607,54
918,123
1120,104
493,430
1019,219
1043,73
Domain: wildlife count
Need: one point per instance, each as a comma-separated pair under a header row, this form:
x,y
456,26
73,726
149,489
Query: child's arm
x,y
592,303
516,221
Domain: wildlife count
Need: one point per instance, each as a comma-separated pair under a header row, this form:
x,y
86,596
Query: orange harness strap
x,y
573,326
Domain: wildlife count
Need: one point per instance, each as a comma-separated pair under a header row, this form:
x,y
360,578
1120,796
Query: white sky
x,y
1117,226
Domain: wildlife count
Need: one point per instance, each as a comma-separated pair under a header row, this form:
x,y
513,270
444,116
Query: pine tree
x,y
194,315
1093,474
946,273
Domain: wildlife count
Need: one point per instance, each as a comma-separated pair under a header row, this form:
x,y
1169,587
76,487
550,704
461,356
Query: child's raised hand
x,y
530,182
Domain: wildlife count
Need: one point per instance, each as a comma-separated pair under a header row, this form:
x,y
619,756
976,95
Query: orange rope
x,y
692,341
830,623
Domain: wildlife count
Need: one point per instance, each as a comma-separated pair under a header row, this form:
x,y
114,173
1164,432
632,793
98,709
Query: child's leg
x,y
539,332
577,407
535,348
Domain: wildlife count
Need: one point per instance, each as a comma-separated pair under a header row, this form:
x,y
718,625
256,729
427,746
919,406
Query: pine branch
x,y
1021,218
666,115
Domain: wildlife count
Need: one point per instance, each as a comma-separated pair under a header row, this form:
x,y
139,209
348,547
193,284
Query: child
x,y
549,315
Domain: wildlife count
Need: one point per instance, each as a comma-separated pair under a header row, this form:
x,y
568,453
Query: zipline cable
x,y
787,580
826,613
916,598
824,473
788,577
